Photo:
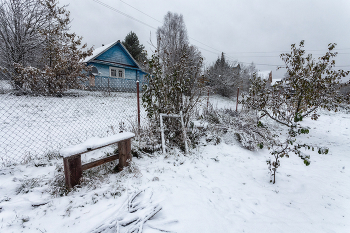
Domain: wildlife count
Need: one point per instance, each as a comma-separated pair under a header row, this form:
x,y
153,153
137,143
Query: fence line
x,y
34,125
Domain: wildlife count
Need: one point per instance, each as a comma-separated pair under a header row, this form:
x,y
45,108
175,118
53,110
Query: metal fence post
x,y
138,102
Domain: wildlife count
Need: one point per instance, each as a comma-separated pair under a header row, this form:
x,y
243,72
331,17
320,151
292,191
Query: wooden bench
x,y
73,169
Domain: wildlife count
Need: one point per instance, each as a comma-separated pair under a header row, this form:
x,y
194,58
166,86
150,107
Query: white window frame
x,y
117,70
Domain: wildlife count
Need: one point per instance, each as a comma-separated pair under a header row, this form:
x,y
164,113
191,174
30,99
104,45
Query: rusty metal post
x,y
237,98
138,102
109,89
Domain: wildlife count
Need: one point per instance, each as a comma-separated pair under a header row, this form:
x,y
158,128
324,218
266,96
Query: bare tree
x,y
20,38
62,66
173,46
172,36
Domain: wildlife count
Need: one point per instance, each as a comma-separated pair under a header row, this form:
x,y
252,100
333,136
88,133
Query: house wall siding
x,y
117,57
116,54
104,70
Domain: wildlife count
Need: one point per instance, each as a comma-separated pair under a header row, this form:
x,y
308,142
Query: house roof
x,y
275,80
98,51
264,74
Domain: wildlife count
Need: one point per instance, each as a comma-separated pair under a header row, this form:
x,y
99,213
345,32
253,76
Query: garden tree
x,y
20,38
62,67
174,71
308,86
173,91
132,44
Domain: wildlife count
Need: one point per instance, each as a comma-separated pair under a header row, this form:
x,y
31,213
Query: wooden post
x,y
208,99
237,98
72,170
138,102
124,149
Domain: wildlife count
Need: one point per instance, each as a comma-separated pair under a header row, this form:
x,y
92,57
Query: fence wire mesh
x,y
33,125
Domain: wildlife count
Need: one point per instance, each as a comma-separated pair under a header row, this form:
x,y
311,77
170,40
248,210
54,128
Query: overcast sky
x,y
245,30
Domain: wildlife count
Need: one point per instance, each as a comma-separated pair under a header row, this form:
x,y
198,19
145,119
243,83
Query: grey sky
x,y
247,31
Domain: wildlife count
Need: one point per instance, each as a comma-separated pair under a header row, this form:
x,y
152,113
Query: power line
x,y
162,22
129,16
215,48
120,12
133,18
286,52
140,11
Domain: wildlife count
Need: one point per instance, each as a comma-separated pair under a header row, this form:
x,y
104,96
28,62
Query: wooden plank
x,y
99,162
124,148
89,149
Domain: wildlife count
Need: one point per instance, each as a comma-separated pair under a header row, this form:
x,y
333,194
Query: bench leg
x,y
124,149
72,170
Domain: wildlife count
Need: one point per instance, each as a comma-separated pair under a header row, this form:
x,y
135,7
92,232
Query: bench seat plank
x,y
95,143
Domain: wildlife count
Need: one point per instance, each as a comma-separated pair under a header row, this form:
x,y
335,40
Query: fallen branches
x,y
133,215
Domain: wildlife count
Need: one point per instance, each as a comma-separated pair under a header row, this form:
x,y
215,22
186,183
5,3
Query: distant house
x,y
114,69
237,69
267,75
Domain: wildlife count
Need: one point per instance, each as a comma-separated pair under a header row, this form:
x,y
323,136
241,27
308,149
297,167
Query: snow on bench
x,y
94,143
72,155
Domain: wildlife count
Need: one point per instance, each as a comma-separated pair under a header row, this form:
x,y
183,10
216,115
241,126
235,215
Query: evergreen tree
x,y
222,77
132,44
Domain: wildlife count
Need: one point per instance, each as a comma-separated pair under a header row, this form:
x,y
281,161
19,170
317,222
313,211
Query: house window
x,y
116,72
113,72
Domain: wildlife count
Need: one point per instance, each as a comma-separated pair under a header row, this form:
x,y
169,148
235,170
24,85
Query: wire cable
x,y
227,54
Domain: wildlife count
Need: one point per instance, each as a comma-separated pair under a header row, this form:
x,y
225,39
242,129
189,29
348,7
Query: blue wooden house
x,y
114,69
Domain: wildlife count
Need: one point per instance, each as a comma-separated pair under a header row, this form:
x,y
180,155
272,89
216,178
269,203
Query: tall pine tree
x,y
132,44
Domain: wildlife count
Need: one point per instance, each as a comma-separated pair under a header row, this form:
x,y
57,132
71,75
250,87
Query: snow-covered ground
x,y
218,188
34,126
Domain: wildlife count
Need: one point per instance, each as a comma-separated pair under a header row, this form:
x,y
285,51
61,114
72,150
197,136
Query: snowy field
x,y
35,126
218,188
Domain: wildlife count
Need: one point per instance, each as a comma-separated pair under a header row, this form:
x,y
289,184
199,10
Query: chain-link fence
x,y
33,125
